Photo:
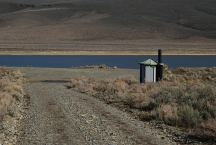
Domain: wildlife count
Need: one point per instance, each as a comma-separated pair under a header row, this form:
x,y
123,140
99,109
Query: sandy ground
x,y
57,115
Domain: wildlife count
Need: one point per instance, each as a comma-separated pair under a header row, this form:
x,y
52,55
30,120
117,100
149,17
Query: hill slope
x,y
107,20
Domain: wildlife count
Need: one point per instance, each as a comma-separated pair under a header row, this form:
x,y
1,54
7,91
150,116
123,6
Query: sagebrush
x,y
186,97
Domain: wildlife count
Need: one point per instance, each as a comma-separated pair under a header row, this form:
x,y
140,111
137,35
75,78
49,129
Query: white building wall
x,y
154,74
150,74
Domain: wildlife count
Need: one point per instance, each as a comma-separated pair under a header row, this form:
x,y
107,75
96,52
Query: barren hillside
x,y
74,22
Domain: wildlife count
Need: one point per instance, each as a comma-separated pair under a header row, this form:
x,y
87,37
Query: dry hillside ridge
x,y
108,24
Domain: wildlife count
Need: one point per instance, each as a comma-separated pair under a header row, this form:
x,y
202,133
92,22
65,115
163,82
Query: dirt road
x,y
59,116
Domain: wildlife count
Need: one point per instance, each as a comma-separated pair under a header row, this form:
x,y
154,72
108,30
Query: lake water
x,y
119,61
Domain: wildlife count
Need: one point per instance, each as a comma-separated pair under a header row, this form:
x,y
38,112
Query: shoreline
x,y
110,52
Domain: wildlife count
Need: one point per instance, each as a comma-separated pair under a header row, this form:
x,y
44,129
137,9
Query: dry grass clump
x,y
194,74
190,105
206,130
109,90
10,89
5,101
185,98
11,101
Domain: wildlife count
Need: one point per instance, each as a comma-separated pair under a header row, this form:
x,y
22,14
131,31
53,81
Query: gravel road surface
x,y
59,116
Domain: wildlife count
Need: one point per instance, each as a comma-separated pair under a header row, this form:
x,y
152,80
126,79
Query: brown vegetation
x,y
10,89
186,98
11,97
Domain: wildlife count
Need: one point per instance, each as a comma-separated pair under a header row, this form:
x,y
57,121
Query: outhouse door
x,y
150,74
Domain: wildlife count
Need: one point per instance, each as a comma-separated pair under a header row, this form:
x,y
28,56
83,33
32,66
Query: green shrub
x,y
188,116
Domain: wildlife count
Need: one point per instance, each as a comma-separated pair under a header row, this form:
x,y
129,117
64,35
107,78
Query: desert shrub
x,y
188,116
10,89
168,114
130,80
5,101
167,74
196,74
205,131
194,103
185,97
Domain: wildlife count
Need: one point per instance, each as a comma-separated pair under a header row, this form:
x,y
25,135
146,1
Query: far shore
x,y
108,52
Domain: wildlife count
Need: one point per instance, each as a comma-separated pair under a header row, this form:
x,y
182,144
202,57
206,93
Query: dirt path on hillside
x,y
58,116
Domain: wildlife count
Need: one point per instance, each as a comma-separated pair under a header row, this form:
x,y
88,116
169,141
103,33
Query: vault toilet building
x,y
148,71
151,71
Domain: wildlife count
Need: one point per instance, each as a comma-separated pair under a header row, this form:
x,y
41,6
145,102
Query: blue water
x,y
119,61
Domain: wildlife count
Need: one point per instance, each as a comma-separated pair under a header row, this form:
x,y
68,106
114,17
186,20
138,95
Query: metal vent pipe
x,y
159,69
159,56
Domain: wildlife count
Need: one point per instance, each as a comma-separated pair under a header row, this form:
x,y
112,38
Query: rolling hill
x,y
76,23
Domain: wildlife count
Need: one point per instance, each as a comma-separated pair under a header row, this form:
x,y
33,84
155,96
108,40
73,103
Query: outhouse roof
x,y
149,62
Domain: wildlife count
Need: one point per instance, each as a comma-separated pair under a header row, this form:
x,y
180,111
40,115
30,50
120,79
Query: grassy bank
x,y
186,98
11,96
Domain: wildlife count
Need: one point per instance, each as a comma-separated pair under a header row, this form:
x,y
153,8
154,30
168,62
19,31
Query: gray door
x,y
149,74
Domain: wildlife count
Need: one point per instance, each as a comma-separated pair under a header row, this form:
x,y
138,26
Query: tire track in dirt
x,y
46,123
59,116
